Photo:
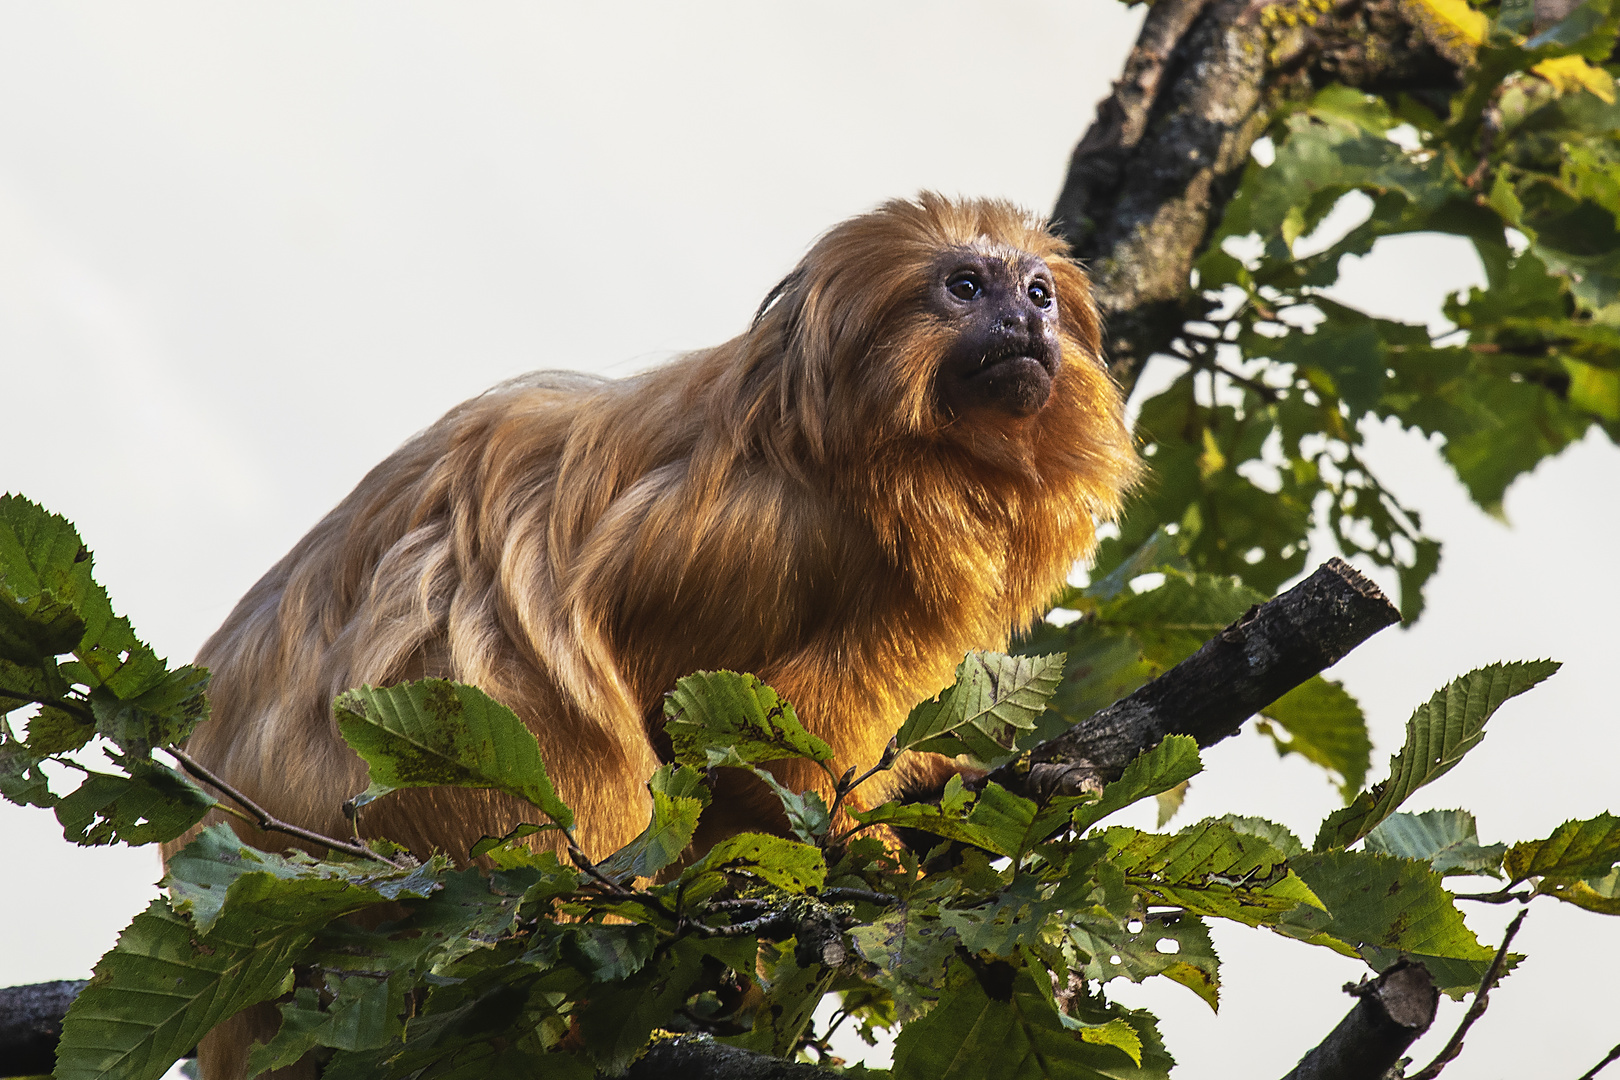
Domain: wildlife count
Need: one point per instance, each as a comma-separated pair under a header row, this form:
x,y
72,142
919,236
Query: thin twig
x,y
1477,1008
1500,896
1613,1055
839,894
846,785
268,822
770,920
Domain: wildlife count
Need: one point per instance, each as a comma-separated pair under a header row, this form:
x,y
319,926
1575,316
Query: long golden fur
x,y
797,502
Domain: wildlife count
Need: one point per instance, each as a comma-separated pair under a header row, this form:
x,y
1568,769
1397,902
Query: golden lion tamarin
x,y
898,461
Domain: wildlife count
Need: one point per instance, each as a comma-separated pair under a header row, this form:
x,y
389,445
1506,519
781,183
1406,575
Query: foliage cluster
x,y
1258,440
989,955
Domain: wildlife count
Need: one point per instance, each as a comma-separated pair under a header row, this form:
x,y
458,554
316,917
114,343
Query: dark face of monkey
x,y
1004,308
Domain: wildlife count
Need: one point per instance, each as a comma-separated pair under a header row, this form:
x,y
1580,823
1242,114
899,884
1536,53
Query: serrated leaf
x,y
1439,733
434,732
678,797
1387,907
363,1014
1008,1032
1170,803
910,951
1600,894
1278,836
948,819
786,864
994,698
1576,849
152,805
1210,869
736,713
791,996
160,989
1173,761
171,978
1175,945
1447,840
1326,727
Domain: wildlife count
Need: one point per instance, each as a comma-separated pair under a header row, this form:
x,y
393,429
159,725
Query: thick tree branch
x,y
689,1057
30,1025
1390,1013
1272,649
1148,182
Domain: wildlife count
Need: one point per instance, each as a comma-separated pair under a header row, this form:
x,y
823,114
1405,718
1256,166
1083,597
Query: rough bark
x,y
692,1058
1272,649
30,1025
1390,1013
1148,181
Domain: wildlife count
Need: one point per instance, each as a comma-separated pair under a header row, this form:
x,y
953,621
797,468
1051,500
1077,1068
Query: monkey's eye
x,y
1040,294
965,286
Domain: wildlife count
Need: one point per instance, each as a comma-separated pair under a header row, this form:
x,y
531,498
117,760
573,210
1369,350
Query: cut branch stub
x,y
1253,662
1392,1011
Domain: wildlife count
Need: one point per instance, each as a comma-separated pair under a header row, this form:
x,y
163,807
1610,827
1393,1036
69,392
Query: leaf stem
x,y
267,822
1477,1008
846,785
1501,896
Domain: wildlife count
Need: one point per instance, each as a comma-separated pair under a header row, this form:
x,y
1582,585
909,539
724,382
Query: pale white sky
x,y
245,251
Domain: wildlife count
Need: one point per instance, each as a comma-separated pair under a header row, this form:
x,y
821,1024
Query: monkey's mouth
x,y
1015,378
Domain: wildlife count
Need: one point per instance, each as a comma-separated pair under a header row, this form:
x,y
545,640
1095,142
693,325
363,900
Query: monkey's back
x,y
404,579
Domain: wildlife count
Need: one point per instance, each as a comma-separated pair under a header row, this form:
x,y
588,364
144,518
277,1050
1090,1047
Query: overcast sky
x,y
244,252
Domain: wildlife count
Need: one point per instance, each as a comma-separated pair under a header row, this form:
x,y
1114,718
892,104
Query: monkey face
x,y
1002,304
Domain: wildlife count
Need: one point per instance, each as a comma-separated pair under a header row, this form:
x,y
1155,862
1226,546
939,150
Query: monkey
x,y
900,459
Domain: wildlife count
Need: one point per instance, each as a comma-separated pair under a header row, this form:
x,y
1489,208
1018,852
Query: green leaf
x,y
1276,835
678,797
999,1026
1600,894
606,953
1173,944
171,978
618,1016
363,1013
1439,733
784,863
1210,869
1172,762
161,988
1445,839
948,819
1388,907
994,698
45,583
791,996
434,732
153,804
1326,727
736,713
910,950
1576,849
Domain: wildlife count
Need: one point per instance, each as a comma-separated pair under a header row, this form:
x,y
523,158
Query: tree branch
x,y
1476,1009
1272,649
1390,1013
31,1024
268,822
691,1057
1151,177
